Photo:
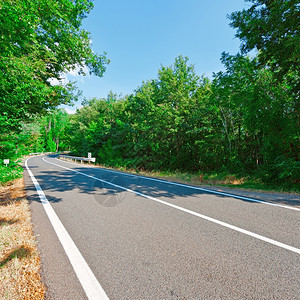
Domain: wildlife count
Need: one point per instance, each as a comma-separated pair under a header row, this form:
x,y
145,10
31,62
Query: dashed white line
x,y
238,229
90,284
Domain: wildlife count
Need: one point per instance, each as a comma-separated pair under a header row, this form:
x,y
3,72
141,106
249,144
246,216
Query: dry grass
x,y
19,260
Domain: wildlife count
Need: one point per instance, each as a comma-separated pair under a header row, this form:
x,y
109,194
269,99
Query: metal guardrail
x,y
46,153
82,159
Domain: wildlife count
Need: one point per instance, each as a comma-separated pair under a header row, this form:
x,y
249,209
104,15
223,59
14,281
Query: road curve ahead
x,y
120,236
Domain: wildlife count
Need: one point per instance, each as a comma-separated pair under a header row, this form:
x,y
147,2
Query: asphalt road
x,y
147,239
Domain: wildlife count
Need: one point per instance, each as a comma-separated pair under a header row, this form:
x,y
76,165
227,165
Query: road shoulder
x,y
56,270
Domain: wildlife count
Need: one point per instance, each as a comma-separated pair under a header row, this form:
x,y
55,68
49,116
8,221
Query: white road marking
x,y
90,284
199,189
238,229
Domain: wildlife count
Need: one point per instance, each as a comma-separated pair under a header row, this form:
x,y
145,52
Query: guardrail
x,y
76,158
46,153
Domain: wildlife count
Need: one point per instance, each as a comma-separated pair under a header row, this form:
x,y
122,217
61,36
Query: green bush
x,y
287,169
10,172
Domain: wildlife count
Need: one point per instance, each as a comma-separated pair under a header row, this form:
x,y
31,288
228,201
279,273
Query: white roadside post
x,y
6,162
89,156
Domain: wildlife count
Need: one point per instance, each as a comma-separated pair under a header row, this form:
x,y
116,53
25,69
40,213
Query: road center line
x,y
238,229
200,189
90,284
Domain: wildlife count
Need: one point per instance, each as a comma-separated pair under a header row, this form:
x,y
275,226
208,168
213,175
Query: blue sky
x,y
141,35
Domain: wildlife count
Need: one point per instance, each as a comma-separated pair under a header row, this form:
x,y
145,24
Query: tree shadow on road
x,y
67,180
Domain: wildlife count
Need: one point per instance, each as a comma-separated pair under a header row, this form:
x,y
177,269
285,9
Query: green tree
x,y
39,41
258,117
27,140
53,129
272,27
99,128
181,94
168,118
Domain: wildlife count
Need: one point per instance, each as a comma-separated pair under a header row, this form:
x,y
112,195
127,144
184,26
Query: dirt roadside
x,y
19,259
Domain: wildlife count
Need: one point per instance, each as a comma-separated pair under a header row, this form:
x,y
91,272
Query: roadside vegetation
x,y
11,172
242,123
219,179
19,260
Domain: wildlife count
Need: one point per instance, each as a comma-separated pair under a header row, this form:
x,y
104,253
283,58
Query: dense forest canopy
x,y
245,120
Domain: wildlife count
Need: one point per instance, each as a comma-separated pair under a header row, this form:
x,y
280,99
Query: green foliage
x,y
259,115
46,134
286,169
11,172
272,27
243,122
15,145
40,40
53,129
110,155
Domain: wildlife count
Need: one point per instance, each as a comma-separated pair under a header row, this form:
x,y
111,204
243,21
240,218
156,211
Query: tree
x,y
167,118
272,27
53,130
39,41
99,127
258,118
181,93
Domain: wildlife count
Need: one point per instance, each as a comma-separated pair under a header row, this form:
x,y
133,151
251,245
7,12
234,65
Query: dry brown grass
x,y
19,260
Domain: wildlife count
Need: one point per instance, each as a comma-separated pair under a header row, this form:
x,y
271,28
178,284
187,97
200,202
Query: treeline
x,y
243,121
246,120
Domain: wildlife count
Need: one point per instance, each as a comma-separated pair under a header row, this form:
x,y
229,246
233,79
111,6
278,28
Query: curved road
x,y
149,239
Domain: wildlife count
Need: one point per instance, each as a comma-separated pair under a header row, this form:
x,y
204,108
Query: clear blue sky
x,y
141,35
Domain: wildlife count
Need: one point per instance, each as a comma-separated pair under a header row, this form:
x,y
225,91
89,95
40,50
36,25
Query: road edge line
x,y
224,224
196,188
89,282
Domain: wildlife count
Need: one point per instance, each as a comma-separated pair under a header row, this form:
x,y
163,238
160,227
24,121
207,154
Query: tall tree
x,y
53,130
181,94
39,41
258,117
272,27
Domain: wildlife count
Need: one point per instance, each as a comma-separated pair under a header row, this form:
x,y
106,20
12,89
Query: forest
x,y
244,120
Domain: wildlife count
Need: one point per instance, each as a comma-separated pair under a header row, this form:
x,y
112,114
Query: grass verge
x,y
19,260
10,173
223,179
216,179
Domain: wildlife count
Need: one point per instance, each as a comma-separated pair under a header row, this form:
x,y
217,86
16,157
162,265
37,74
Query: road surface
x,y
122,236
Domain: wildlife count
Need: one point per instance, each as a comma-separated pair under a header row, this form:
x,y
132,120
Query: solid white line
x,y
238,229
90,284
199,189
